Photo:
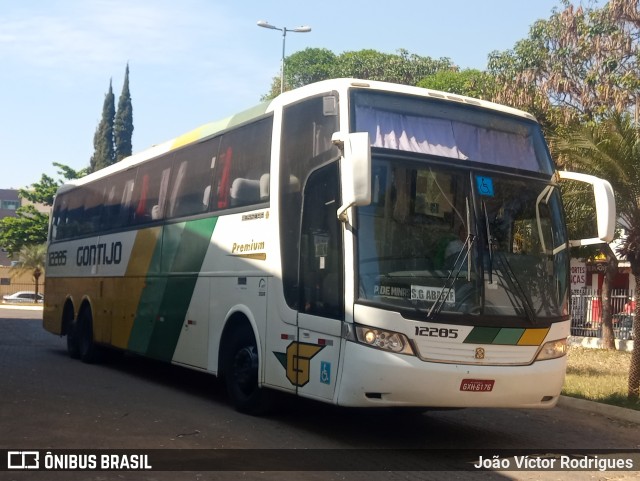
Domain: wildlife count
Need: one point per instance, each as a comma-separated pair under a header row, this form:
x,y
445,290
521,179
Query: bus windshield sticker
x,y
485,185
431,294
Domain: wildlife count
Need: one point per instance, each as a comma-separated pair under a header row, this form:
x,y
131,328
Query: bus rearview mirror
x,y
355,170
605,207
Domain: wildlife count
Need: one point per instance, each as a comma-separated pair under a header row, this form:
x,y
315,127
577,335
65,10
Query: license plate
x,y
477,385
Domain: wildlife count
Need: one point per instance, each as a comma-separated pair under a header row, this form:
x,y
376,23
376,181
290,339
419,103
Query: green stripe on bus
x,y
482,335
509,336
166,298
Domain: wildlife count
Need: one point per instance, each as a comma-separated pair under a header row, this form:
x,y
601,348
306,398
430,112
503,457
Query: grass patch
x,y
599,375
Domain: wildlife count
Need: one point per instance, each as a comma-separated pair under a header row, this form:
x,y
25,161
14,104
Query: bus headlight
x,y
552,350
385,340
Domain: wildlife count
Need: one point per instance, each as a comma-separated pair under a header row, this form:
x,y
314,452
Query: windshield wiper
x,y
459,263
515,285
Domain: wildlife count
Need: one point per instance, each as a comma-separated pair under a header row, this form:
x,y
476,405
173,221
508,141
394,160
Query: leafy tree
x,y
29,226
32,259
315,64
302,68
123,122
403,67
580,63
611,149
469,82
104,150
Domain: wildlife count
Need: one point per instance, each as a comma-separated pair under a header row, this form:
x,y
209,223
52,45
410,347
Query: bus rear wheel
x,y
89,351
73,343
241,375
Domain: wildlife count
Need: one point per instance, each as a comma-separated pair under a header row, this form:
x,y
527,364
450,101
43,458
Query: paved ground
x,y
49,401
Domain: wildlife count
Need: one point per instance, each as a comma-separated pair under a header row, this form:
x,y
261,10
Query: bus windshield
x,y
441,241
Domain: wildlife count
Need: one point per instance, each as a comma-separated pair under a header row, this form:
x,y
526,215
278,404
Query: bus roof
x,y
341,85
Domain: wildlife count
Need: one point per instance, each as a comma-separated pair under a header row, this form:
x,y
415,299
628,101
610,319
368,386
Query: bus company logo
x,y
23,460
99,254
479,353
297,361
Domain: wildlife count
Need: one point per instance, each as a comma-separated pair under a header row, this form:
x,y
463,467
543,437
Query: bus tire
x,y
73,343
89,350
241,374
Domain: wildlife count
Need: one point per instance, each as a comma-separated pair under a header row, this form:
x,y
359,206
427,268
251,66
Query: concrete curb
x,y
622,414
20,307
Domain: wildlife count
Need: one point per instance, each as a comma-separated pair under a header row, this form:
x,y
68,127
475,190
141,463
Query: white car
x,y
22,297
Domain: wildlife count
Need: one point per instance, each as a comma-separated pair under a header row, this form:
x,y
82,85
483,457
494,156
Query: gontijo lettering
x,y
99,254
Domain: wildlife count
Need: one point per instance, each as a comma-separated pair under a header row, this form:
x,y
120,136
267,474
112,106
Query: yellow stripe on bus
x,y
533,337
124,312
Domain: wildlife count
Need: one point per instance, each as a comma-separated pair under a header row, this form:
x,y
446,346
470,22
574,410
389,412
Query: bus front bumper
x,y
376,378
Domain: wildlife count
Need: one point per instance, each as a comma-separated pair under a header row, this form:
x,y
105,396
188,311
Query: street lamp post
x,y
284,30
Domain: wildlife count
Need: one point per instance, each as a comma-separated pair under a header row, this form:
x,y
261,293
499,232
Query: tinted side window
x,y
118,200
192,179
150,191
243,165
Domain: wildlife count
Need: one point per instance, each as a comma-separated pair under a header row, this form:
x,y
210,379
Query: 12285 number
x,y
436,332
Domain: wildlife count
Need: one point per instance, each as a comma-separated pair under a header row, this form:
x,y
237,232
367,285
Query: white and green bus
x,y
354,242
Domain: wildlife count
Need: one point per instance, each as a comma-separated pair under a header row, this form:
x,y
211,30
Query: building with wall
x,y
9,203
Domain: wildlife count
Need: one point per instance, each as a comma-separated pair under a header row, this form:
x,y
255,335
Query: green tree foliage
x,y
403,67
123,122
611,149
29,226
112,139
315,64
104,150
469,82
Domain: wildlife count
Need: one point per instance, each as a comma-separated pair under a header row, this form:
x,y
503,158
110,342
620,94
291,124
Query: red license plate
x,y
477,385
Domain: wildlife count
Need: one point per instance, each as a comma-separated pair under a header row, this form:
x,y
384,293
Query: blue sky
x,y
196,61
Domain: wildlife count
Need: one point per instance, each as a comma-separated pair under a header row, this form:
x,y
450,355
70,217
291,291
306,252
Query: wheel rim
x,y
245,370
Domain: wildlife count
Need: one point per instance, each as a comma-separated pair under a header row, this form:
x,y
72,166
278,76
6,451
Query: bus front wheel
x,y
241,375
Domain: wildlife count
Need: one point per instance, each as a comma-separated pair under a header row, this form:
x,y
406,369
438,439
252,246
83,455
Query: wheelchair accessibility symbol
x,y
325,372
484,185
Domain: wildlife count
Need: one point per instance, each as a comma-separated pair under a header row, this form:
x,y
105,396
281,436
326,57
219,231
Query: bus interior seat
x,y
156,212
264,186
244,191
294,184
206,196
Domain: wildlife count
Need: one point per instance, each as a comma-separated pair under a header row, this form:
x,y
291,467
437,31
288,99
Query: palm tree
x,y
610,149
31,258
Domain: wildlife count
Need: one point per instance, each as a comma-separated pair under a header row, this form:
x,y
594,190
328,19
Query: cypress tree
x,y
104,152
123,123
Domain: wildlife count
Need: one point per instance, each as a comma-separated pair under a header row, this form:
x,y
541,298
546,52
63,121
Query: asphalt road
x,y
49,401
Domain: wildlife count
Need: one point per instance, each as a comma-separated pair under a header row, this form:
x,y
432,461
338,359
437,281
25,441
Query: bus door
x,y
321,278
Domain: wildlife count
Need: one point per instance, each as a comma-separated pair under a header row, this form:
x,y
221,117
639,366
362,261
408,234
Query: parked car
x,y
22,297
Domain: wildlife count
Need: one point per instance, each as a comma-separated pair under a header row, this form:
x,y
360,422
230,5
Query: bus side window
x,y
93,206
151,191
118,201
192,183
58,222
243,173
